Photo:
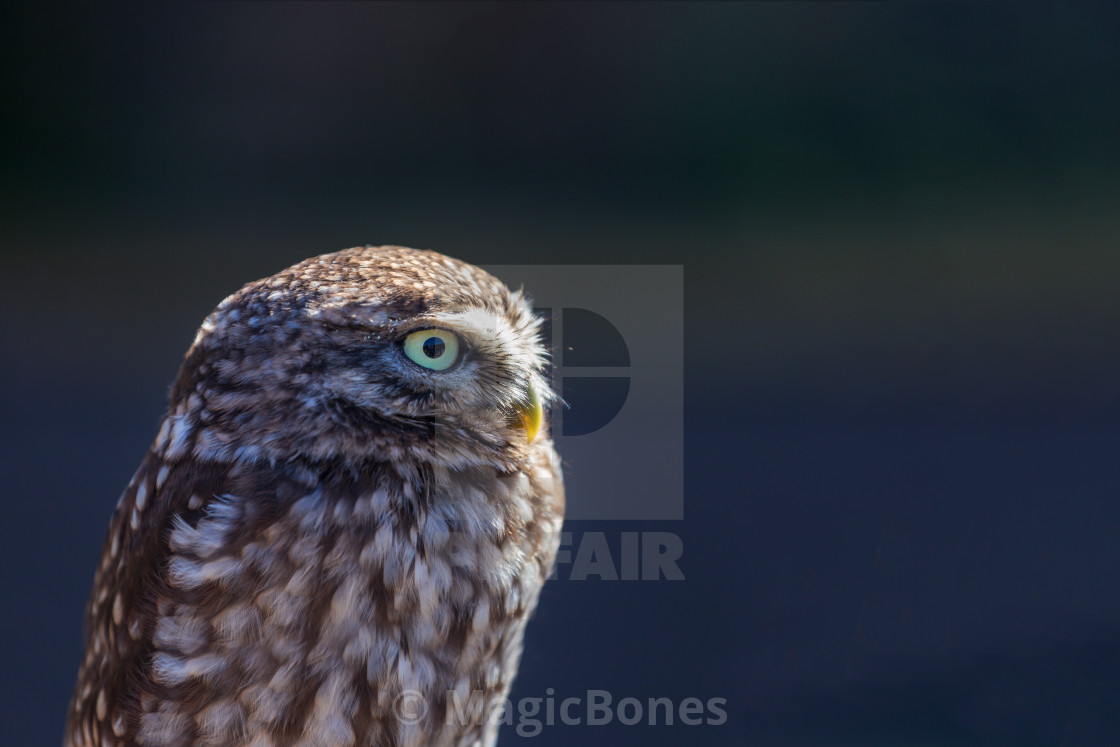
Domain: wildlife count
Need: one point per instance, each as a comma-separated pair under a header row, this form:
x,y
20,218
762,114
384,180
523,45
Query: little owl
x,y
343,524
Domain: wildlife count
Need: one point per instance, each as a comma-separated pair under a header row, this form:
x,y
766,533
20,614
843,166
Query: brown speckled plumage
x,y
327,543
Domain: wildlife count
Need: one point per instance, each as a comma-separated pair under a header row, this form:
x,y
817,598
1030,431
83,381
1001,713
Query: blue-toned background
x,y
899,229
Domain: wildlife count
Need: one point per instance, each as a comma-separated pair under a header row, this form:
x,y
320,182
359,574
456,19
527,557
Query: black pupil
x,y
433,347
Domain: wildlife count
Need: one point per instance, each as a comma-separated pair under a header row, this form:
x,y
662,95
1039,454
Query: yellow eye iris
x,y
436,349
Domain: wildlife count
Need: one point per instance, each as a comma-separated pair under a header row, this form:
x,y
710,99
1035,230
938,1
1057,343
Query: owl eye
x,y
436,349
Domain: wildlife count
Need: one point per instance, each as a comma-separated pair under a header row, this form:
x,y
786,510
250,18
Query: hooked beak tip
x,y
530,414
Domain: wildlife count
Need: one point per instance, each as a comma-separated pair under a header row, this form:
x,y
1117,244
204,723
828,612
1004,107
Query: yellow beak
x,y
530,414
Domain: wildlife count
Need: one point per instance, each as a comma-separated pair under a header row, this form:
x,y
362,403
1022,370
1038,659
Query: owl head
x,y
403,354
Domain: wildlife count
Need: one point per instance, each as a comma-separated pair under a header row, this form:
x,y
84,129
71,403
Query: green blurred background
x,y
899,231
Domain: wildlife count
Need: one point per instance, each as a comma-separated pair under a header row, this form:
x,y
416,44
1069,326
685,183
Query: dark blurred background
x,y
899,229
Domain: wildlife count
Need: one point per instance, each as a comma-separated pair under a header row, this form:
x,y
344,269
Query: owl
x,y
344,521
